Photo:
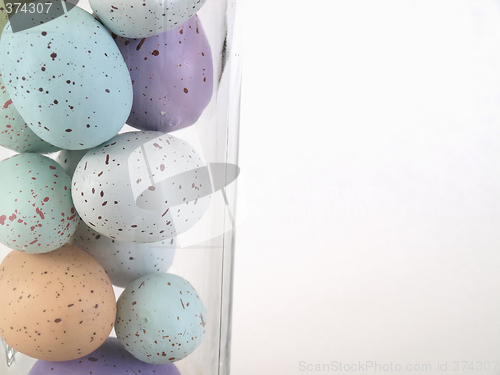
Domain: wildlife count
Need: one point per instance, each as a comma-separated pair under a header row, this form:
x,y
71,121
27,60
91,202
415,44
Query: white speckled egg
x,y
133,19
125,262
67,79
160,318
36,211
56,306
141,187
14,132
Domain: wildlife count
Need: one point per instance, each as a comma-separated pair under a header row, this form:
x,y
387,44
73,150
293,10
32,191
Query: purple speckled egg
x,y
172,77
110,359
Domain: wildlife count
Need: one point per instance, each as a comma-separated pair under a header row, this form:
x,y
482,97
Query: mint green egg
x,y
36,210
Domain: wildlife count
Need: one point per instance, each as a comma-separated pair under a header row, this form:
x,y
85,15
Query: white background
x,y
370,151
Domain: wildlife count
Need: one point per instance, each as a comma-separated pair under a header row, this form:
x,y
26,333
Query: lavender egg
x,y
160,318
141,187
172,77
133,19
125,262
110,359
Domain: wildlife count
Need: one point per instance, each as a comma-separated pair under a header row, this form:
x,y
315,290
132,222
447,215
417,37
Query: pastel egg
x,y
69,159
131,19
57,306
110,359
141,187
67,79
36,210
172,76
160,318
125,262
14,132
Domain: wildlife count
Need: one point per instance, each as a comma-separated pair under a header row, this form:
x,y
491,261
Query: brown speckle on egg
x,y
51,305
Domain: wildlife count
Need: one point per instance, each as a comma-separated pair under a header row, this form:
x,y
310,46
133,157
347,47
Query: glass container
x,y
143,99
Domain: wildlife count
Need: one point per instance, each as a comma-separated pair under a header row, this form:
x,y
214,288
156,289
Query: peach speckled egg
x,y
56,306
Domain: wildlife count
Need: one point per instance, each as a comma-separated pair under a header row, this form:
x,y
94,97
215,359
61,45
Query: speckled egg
x,y
160,318
125,262
57,306
141,187
14,132
132,19
36,210
67,79
110,359
69,159
172,76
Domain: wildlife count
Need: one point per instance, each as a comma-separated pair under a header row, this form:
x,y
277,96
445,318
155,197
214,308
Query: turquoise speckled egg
x,y
14,132
160,318
36,210
67,79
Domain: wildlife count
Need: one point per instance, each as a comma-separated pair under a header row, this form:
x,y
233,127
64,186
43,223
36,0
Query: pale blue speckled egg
x,y
125,262
69,159
14,132
36,210
67,79
160,318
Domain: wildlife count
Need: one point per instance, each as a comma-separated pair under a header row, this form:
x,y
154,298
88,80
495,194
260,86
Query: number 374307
x,y
37,7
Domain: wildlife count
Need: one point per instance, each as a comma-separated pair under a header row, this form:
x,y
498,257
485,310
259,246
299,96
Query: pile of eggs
x,y
107,209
